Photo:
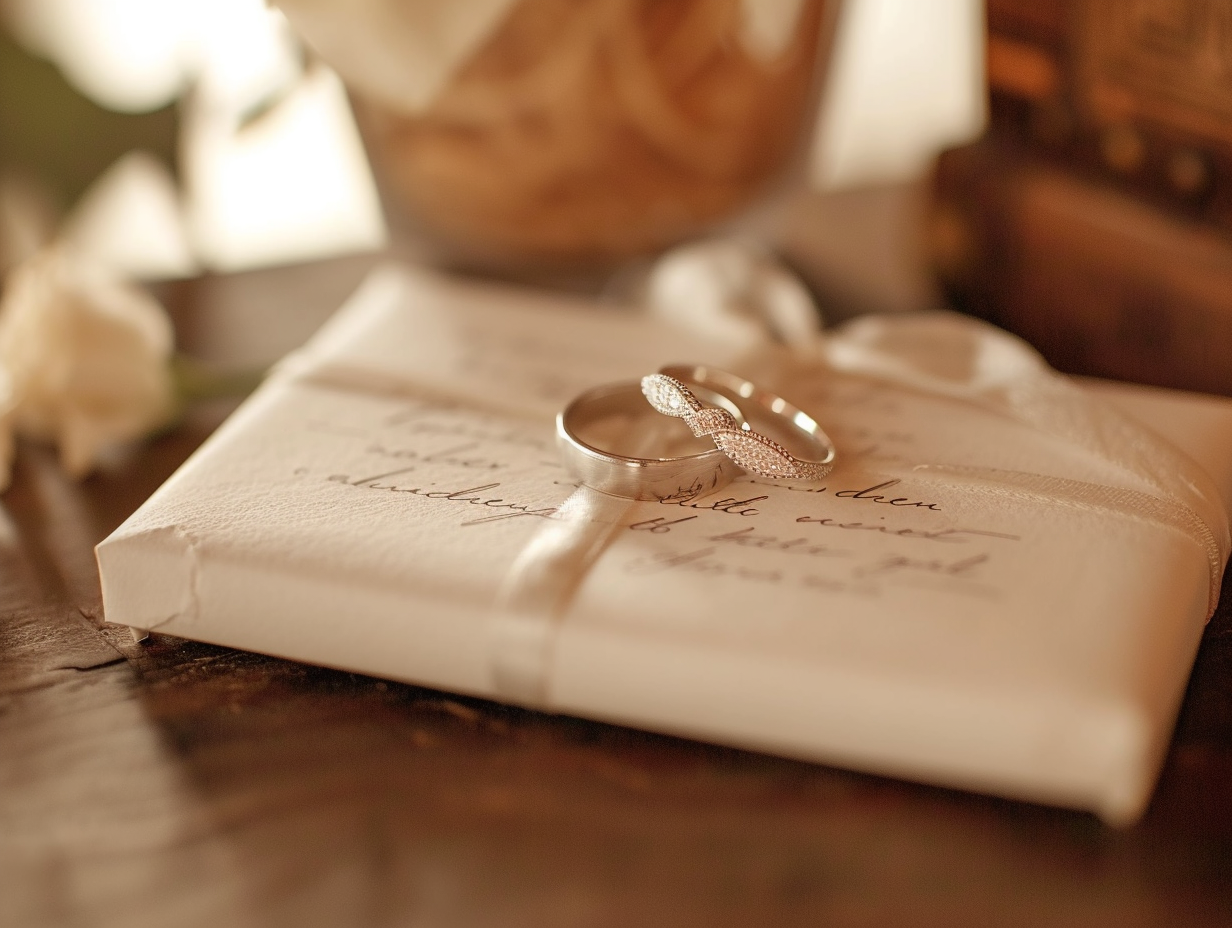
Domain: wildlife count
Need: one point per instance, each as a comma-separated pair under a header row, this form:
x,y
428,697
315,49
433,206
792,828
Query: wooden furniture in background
x,y
1095,216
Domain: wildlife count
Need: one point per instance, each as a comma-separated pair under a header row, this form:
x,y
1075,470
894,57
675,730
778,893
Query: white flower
x,y
86,357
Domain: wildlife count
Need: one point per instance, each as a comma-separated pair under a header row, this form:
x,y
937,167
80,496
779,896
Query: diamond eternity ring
x,y
671,392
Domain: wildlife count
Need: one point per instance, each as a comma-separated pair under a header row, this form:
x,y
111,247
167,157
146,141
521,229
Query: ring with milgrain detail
x,y
672,392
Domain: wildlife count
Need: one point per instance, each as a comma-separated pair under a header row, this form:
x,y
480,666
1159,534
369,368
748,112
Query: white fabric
x,y
389,503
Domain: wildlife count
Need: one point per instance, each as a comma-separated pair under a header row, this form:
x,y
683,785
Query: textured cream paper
x,y
373,505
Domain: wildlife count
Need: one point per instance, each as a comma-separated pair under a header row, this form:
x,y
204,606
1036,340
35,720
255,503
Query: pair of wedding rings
x,y
724,418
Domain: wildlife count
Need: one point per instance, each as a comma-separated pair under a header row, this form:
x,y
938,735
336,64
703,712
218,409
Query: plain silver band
x,y
687,476
813,466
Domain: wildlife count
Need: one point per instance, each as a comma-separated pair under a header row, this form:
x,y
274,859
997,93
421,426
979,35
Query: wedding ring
x,y
672,392
650,478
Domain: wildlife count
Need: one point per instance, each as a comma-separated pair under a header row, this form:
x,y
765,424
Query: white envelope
x,y
390,502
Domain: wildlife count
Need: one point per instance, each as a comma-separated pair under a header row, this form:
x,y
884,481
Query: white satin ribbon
x,y
937,354
538,588
945,354
735,288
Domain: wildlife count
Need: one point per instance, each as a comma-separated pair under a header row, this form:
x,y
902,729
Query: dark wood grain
x,y
175,783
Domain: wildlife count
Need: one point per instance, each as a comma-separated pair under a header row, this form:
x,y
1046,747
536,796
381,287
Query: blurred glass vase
x,y
572,132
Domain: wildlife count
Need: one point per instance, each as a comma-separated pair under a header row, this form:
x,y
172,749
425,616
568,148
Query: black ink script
x,y
748,538
947,535
467,496
428,420
455,456
730,505
871,495
660,525
896,563
701,561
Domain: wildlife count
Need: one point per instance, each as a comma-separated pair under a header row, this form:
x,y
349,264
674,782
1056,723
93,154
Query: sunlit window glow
x,y
906,81
127,55
293,185
273,165
245,52
131,221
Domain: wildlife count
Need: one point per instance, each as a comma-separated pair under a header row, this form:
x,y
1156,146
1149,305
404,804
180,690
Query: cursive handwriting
x,y
868,494
427,420
748,538
871,495
948,535
454,456
660,525
833,585
469,496
730,505
897,563
701,561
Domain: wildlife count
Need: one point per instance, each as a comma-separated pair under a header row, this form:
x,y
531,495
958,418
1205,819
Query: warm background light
x,y
271,169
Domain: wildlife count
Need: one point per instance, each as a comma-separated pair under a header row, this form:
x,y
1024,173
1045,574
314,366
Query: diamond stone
x,y
756,453
711,419
669,396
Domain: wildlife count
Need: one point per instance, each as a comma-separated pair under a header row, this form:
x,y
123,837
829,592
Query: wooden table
x,y
175,783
